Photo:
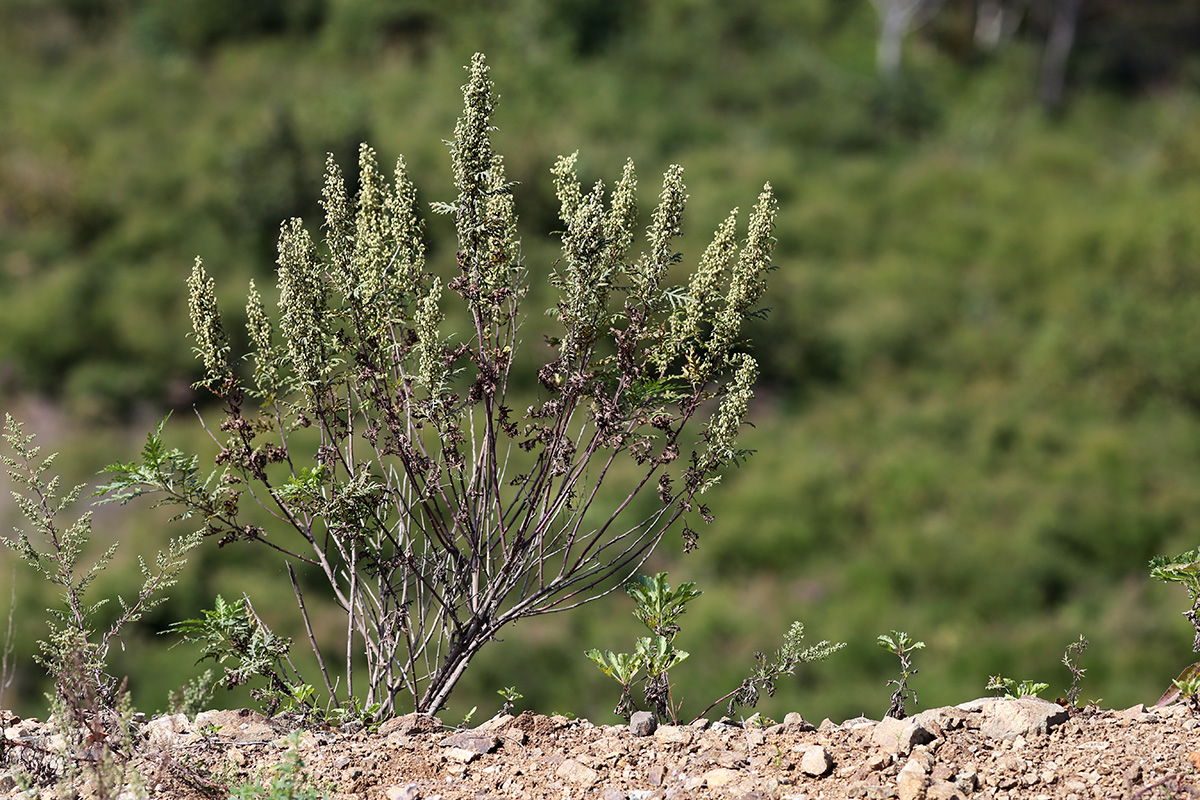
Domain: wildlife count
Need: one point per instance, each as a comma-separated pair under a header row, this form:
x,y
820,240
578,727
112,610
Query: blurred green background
x,y
980,409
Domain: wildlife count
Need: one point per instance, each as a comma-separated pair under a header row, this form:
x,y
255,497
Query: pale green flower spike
x,y
431,368
338,227
406,265
747,284
727,421
471,154
622,217
266,368
566,185
664,226
503,250
302,299
212,345
371,226
704,293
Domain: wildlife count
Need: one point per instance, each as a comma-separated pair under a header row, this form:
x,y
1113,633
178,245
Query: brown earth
x,y
941,754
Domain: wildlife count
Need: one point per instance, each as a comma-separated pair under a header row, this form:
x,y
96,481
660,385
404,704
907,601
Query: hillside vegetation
x,y
979,415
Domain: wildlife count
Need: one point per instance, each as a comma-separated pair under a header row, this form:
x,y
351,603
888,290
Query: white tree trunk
x,y
1053,79
996,21
896,19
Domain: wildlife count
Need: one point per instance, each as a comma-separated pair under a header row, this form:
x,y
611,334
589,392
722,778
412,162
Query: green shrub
x,y
436,512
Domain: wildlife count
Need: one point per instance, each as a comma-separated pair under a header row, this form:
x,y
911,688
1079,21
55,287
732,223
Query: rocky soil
x,y
984,750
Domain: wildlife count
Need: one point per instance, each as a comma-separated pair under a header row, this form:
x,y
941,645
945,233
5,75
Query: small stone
x,y
967,780
495,723
610,793
1008,719
461,755
167,730
858,722
469,740
794,723
515,735
410,725
942,790
409,791
901,735
912,781
575,772
643,723
816,761
720,777
656,774
879,761
673,734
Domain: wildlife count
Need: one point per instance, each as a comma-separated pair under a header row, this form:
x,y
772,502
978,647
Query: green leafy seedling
x,y
899,643
657,655
1070,660
1014,690
658,607
623,668
1183,569
1186,687
511,696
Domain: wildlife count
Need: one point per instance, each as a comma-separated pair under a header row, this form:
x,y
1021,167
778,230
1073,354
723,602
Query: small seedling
x,y
209,730
899,643
76,651
1188,681
289,781
623,668
659,609
466,720
232,635
511,696
1189,689
1183,569
1010,689
1070,660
